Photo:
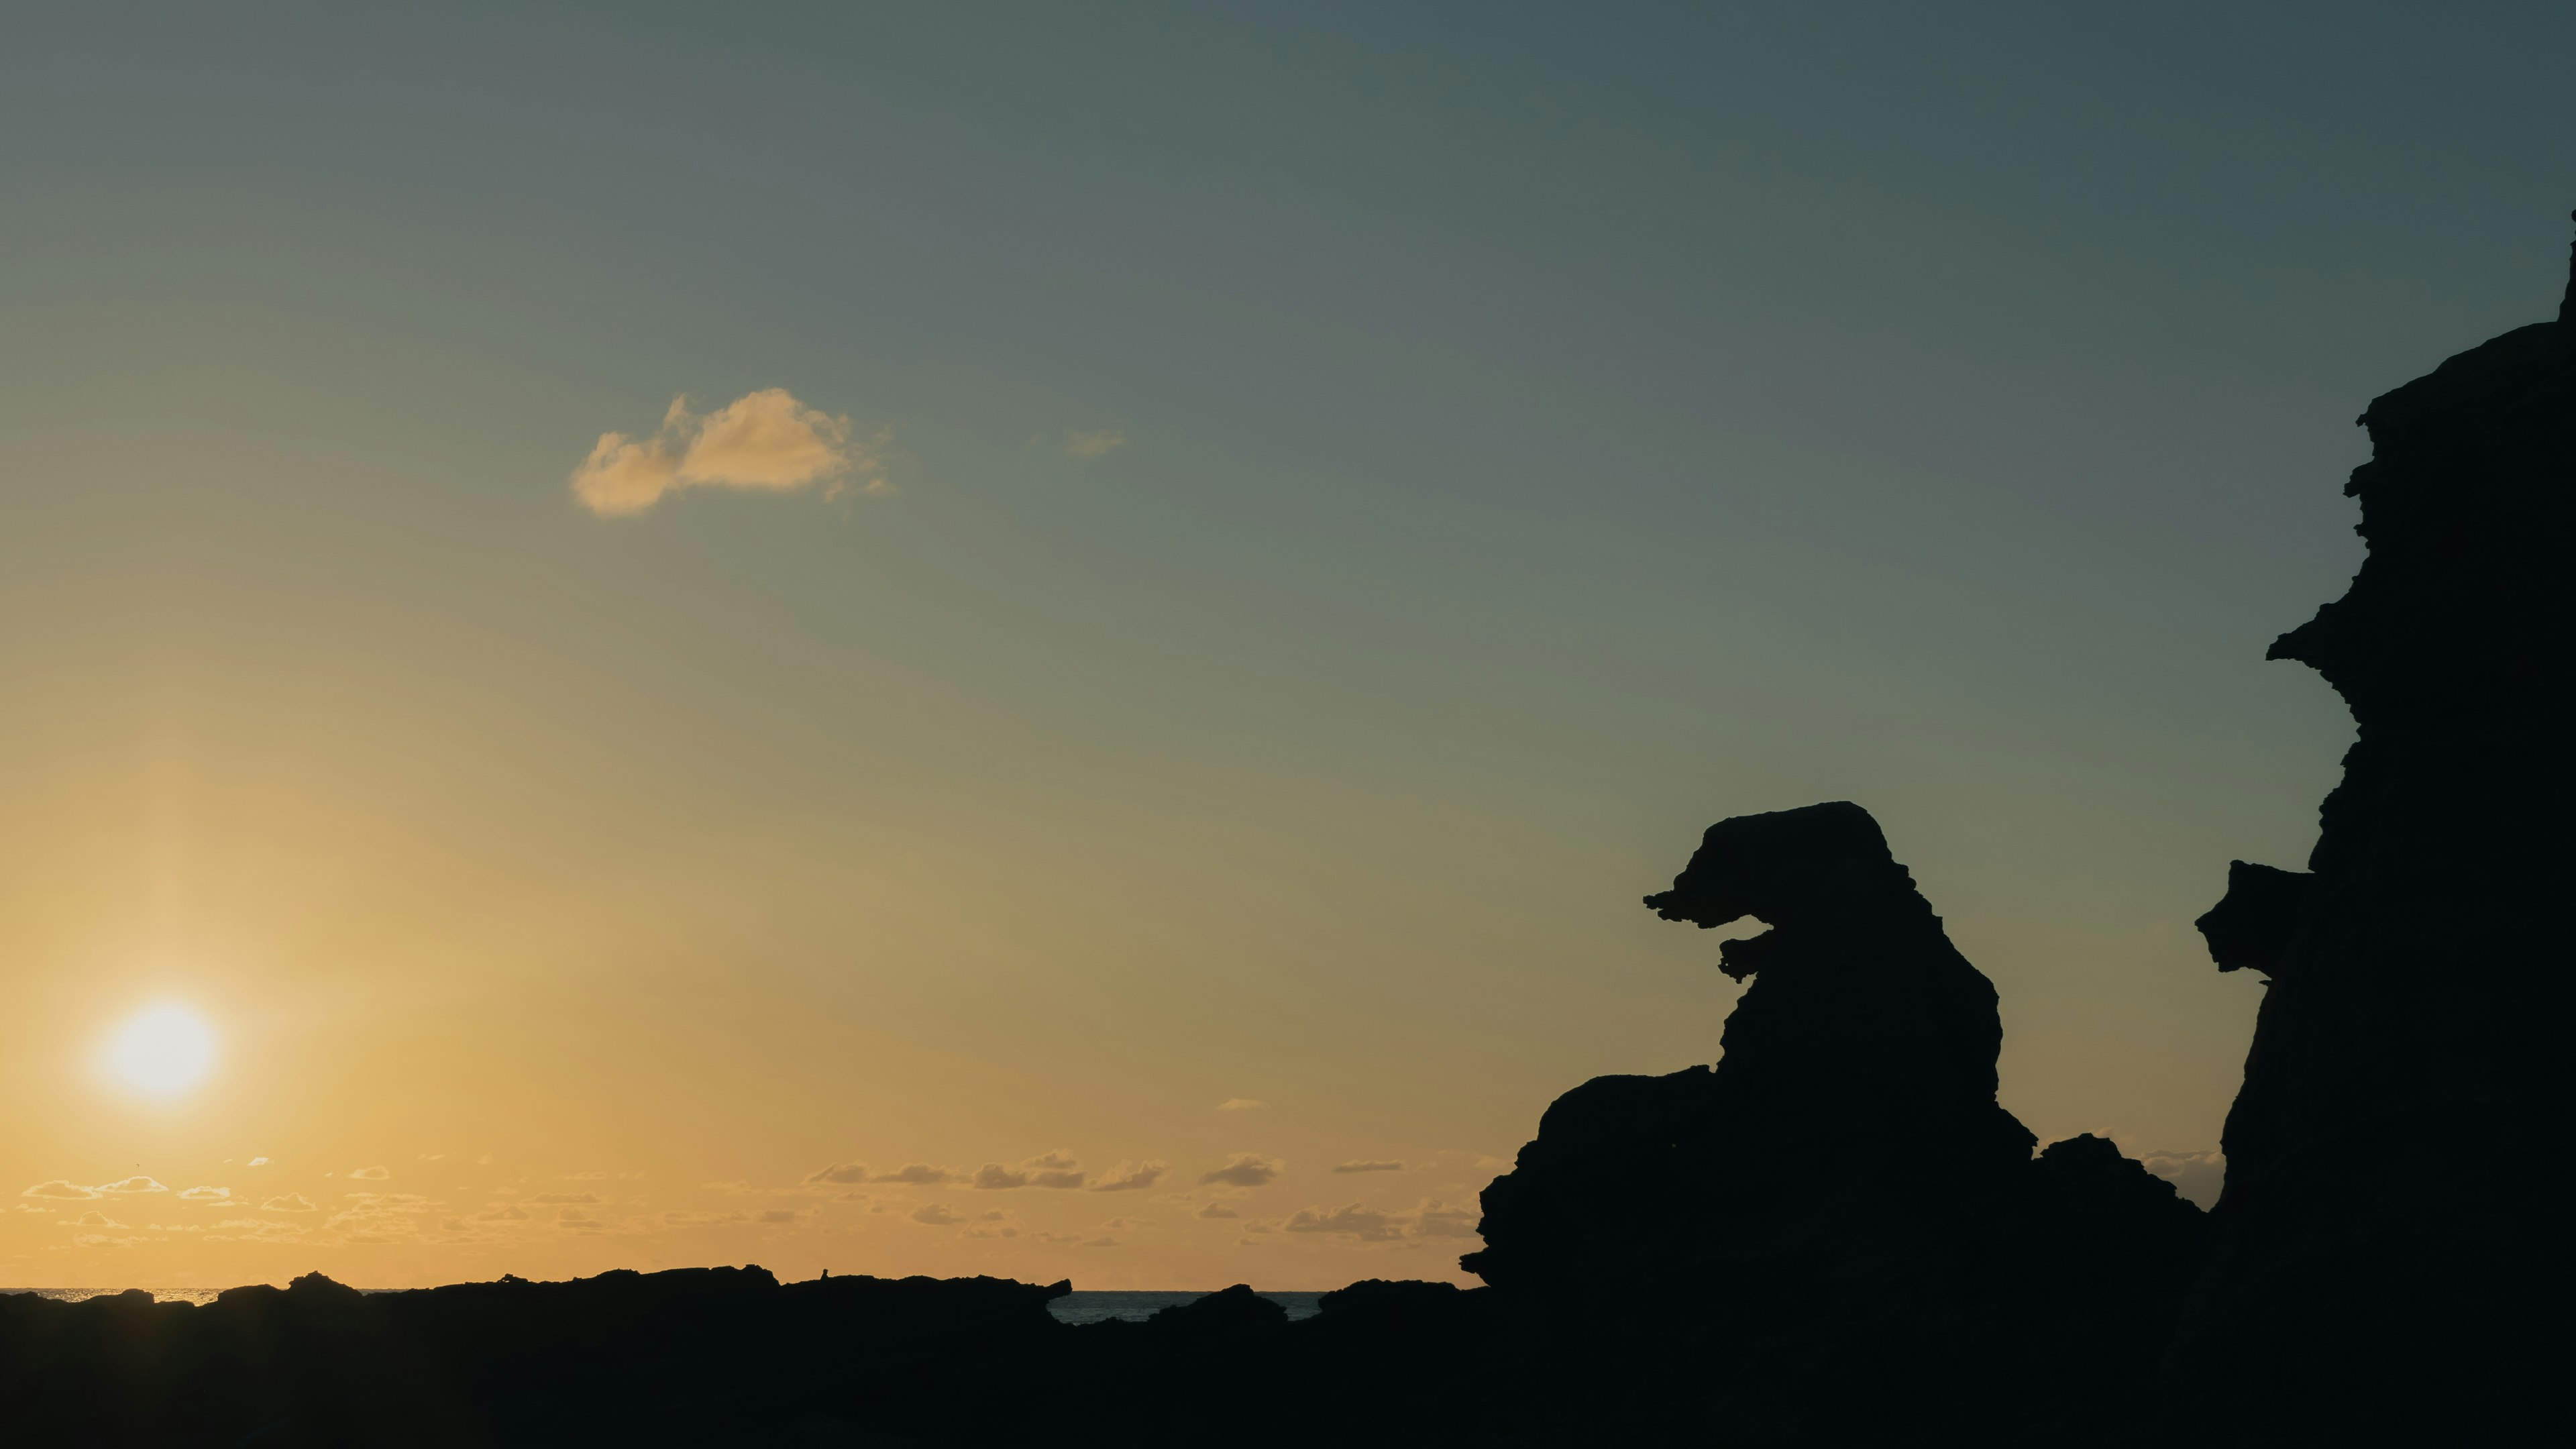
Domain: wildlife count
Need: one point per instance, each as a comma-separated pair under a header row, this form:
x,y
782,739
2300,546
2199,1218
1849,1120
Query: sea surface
x,y
198,1296
1097,1306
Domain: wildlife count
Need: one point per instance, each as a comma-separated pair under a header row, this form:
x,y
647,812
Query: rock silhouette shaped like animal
x,y
1837,1235
1862,1021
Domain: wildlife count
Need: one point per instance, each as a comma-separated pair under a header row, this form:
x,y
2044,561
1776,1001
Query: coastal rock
x,y
1835,1235
2392,1258
1857,1082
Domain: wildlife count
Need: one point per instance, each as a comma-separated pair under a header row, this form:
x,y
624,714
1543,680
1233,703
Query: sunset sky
x,y
1058,640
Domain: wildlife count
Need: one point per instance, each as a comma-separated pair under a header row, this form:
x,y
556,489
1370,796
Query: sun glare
x,y
161,1052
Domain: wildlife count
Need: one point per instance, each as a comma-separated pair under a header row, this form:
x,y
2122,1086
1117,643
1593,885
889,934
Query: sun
x,y
160,1052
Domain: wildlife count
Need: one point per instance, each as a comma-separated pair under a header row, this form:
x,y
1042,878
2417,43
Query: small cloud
x,y
551,1199
837,1174
1095,445
132,1185
701,1220
67,1191
936,1215
1370,1167
1103,1242
921,1174
1245,1169
261,1230
574,1220
1240,1104
762,442
1366,1224
259,1162
991,1230
1054,1169
1437,1220
502,1214
293,1202
1132,1176
205,1194
779,1217
95,1219
370,1174
1433,1219
1218,1210
433,1156
2197,1176
1122,1224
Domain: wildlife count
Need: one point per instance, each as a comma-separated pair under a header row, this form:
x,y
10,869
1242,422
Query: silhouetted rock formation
x,y
1838,1233
692,1356
2250,928
1862,1019
1227,1313
2394,1256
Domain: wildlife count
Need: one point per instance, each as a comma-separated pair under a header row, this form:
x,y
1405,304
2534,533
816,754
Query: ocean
x,y
1097,1306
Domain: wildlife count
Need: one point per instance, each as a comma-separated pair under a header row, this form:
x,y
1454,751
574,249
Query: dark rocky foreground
x,y
1836,1236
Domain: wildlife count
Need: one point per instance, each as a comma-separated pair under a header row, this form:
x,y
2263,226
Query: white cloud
x,y
259,1162
1438,1220
135,1184
920,1174
1053,1169
1240,1104
1433,1219
95,1219
205,1194
371,1174
1245,1169
293,1202
765,441
1132,1176
1095,444
2198,1176
69,1191
1366,1224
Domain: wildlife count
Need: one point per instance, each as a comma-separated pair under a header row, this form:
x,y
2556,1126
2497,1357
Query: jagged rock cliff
x,y
2393,1253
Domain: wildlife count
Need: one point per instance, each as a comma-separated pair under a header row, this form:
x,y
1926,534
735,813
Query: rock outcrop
x,y
2393,1260
1858,1081
1839,1218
